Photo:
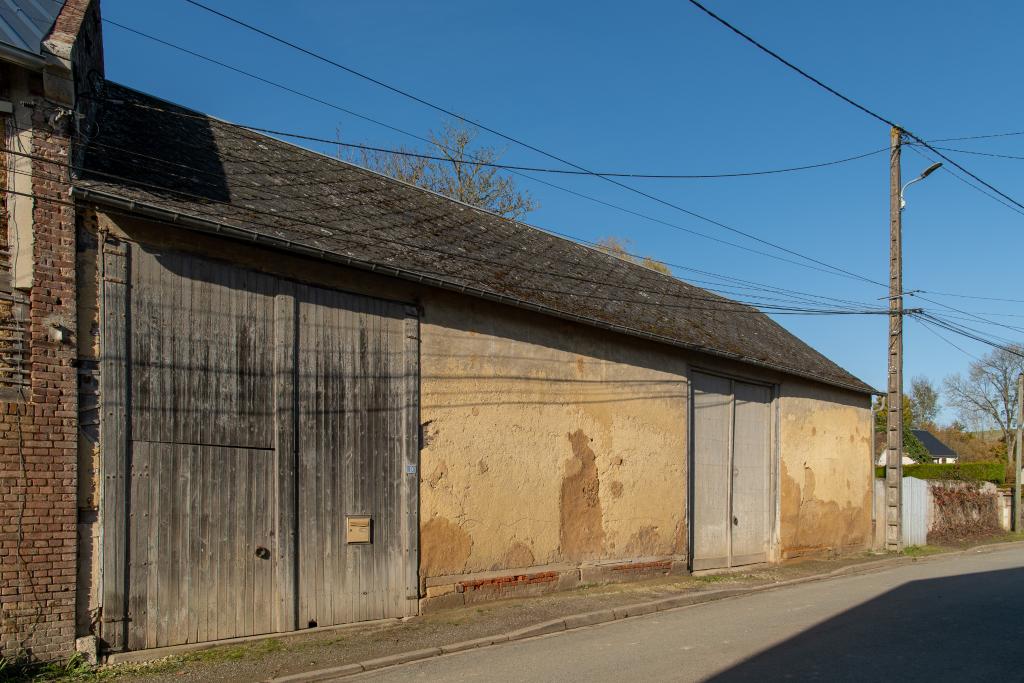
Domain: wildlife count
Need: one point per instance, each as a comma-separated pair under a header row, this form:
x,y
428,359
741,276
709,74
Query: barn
x,y
292,393
326,396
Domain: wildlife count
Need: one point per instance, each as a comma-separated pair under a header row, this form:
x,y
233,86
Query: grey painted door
x,y
731,472
244,418
712,454
751,477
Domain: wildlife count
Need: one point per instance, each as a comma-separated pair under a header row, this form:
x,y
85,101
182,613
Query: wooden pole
x,y
894,395
1017,450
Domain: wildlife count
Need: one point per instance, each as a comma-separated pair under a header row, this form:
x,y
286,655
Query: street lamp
x,y
924,174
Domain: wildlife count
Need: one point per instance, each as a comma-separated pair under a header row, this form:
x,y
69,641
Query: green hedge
x,y
994,472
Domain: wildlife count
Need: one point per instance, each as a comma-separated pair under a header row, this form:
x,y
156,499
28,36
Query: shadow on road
x,y
957,628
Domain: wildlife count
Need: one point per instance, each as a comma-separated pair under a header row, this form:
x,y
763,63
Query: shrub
x,y
962,512
994,472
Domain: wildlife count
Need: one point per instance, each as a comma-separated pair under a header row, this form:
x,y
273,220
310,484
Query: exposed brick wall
x,y
39,437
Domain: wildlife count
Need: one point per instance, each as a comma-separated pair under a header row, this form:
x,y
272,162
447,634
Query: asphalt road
x,y
955,618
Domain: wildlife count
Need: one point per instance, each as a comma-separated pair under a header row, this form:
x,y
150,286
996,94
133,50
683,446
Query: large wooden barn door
x,y
201,498
245,419
730,472
352,414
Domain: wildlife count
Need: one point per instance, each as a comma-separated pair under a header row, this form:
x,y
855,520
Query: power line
x,y
981,154
722,305
965,181
428,141
948,319
517,141
537,180
419,155
730,280
1004,315
670,176
841,96
969,296
926,325
596,200
1012,348
561,171
978,137
975,316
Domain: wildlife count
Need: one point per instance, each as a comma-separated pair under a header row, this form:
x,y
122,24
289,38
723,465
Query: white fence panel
x,y
915,511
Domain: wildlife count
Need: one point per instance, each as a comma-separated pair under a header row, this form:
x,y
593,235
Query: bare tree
x,y
462,175
925,397
620,248
987,396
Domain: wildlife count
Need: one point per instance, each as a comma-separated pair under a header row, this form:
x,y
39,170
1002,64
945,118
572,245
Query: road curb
x,y
576,621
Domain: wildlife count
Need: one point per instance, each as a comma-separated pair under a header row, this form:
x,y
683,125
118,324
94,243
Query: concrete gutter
x,y
577,621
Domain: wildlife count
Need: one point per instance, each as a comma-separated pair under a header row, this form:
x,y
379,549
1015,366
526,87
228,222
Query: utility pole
x,y
1020,446
894,395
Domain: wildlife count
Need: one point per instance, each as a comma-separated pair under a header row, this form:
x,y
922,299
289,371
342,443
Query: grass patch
x,y
235,652
21,668
921,550
711,578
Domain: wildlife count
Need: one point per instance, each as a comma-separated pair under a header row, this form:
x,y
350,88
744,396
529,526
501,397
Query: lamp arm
x,y
903,189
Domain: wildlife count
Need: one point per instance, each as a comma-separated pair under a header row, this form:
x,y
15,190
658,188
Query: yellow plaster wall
x,y
545,442
548,442
825,474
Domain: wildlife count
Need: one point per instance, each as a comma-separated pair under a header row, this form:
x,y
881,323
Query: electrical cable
x,y
595,200
916,138
522,143
926,325
732,281
722,304
965,181
981,154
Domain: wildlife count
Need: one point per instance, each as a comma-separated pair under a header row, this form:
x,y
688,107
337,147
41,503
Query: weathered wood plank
x,y
286,510
207,531
163,513
138,588
197,546
411,454
114,441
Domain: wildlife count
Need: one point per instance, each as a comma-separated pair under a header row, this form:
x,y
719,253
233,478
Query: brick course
x,y
38,438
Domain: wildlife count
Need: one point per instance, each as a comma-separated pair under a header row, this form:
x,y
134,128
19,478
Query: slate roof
x,y
176,164
932,444
24,23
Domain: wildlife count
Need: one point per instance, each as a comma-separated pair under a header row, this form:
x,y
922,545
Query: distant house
x,y
907,460
939,452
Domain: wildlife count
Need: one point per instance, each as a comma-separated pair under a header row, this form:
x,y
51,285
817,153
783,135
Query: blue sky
x,y
658,87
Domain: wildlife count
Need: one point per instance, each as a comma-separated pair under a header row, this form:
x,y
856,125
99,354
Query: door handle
x,y
735,521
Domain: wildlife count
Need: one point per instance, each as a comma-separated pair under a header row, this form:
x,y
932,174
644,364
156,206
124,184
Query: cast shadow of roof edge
x,y
219,173
905,634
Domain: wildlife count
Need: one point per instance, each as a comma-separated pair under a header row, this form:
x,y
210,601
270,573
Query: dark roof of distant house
x,y
933,445
171,163
25,23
